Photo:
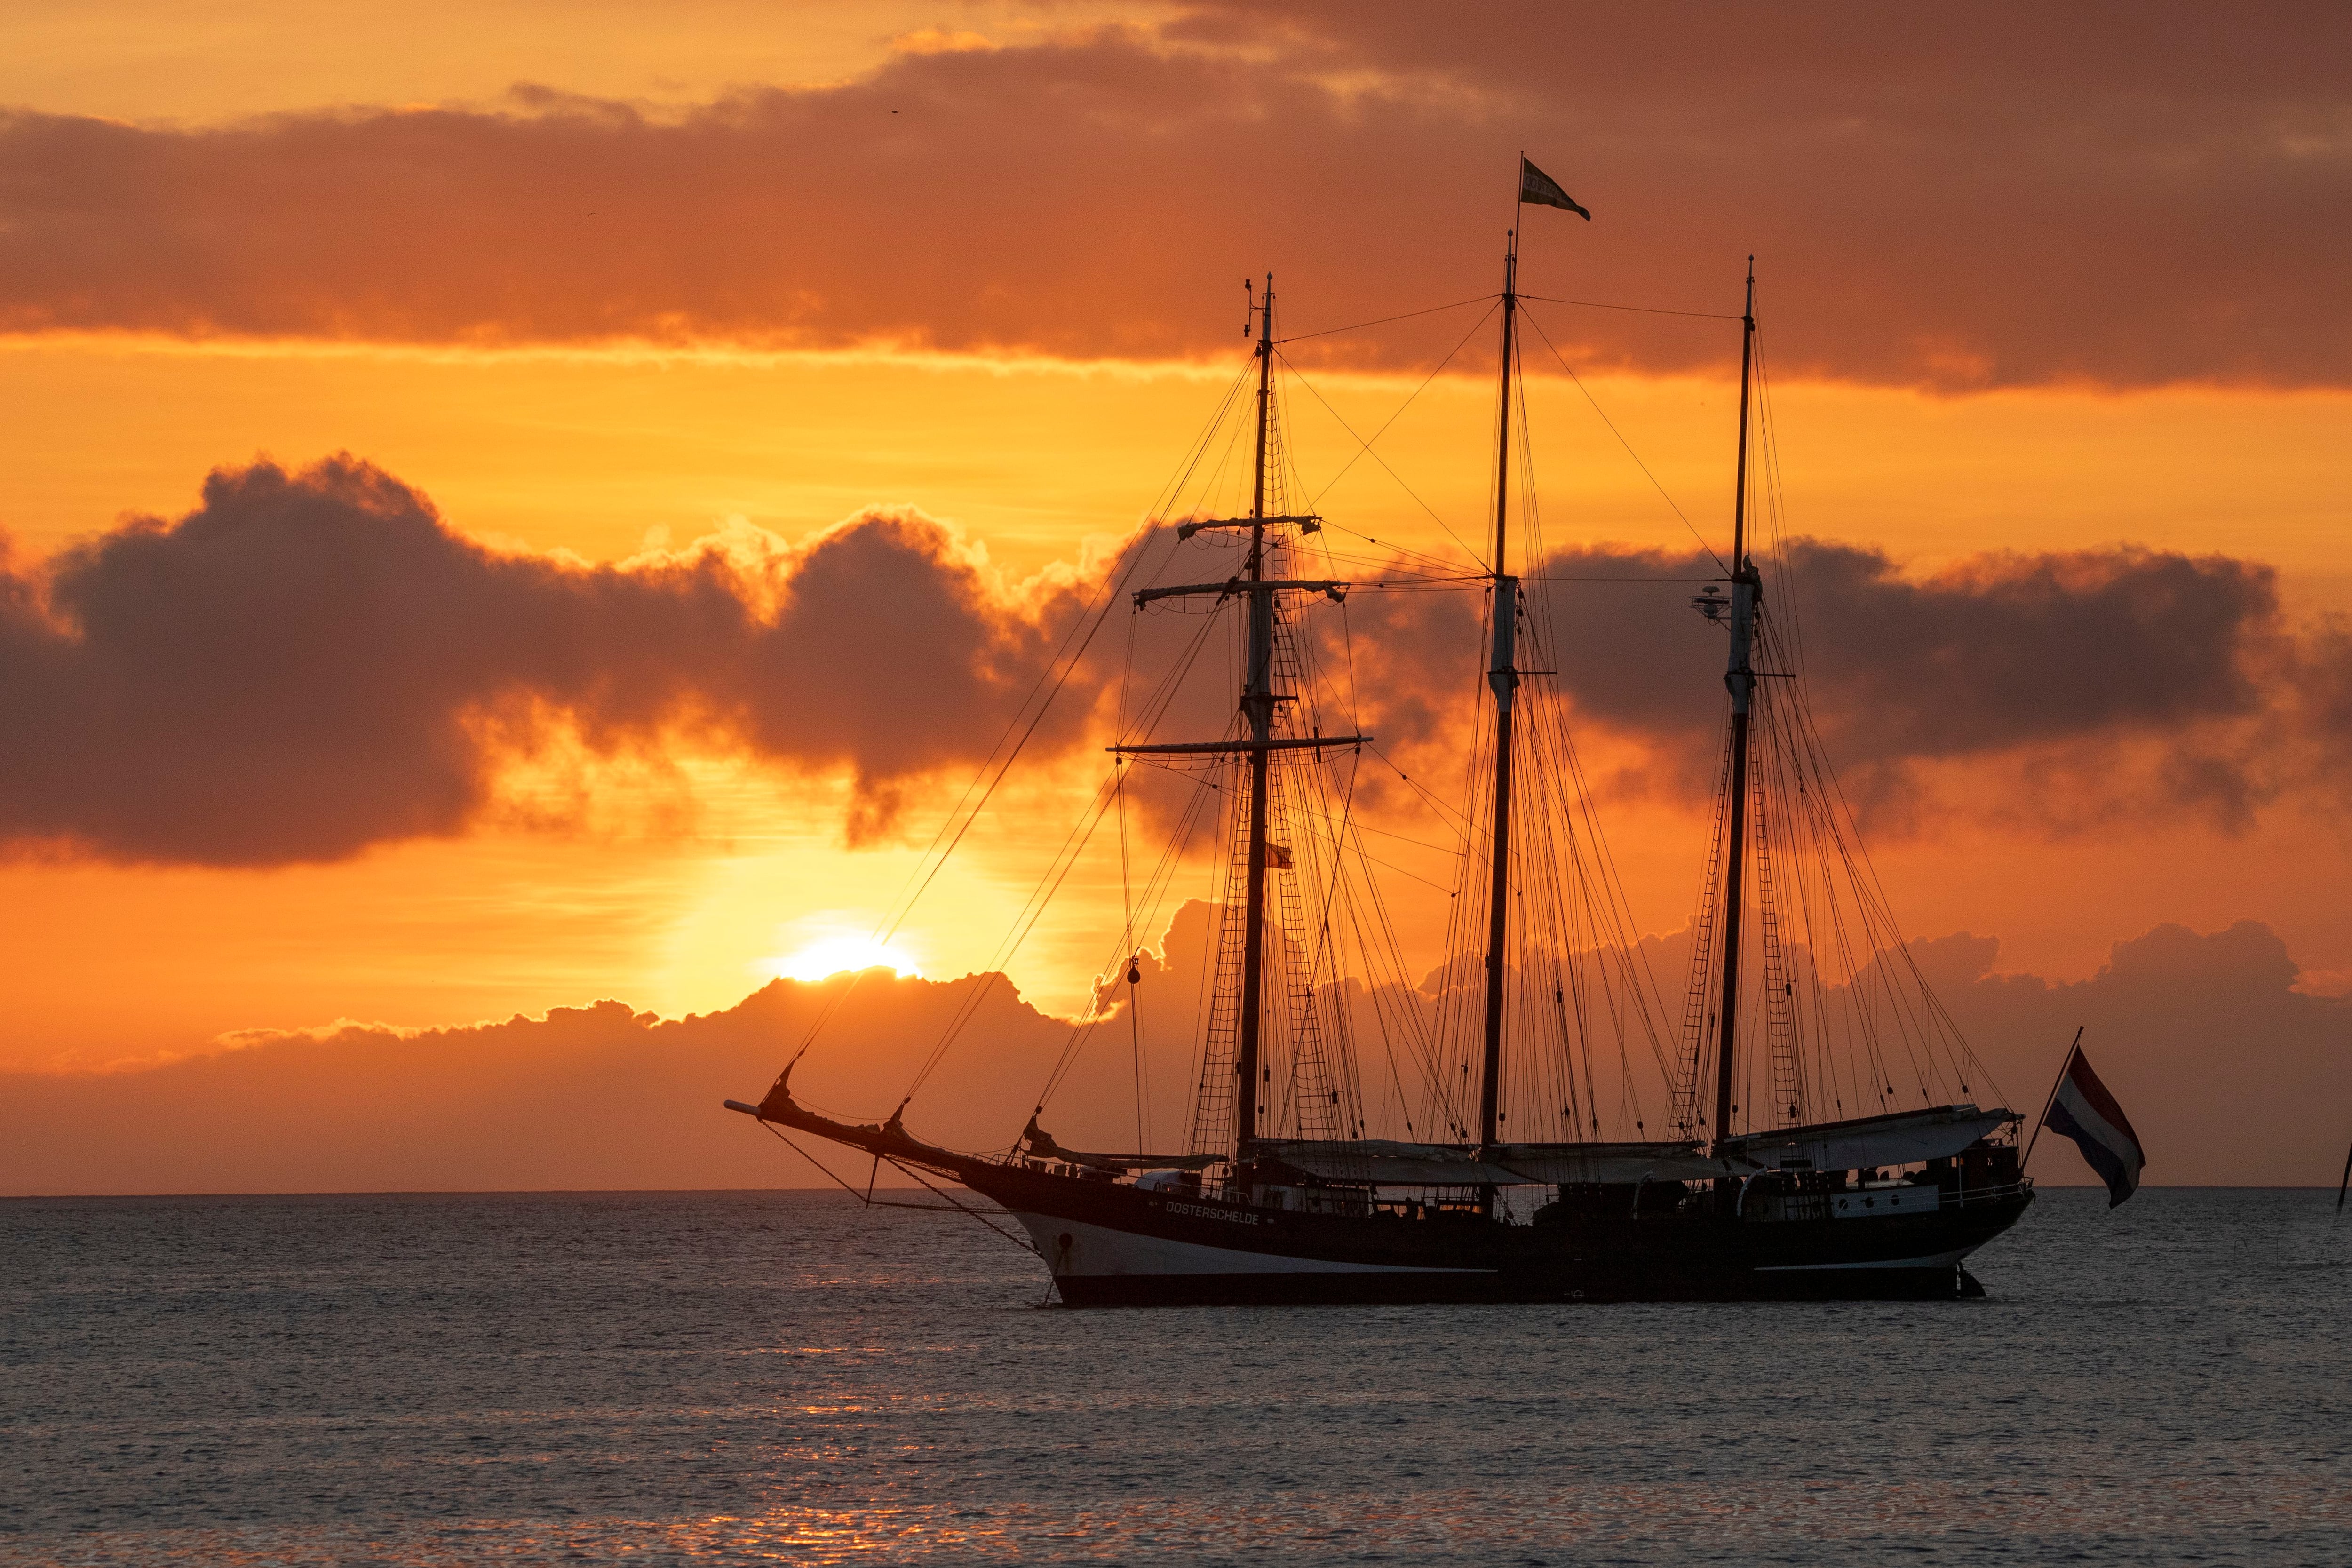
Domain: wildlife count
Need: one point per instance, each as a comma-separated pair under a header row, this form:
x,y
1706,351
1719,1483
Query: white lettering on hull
x,y
1075,1248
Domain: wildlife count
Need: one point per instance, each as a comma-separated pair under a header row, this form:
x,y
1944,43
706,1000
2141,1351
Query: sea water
x,y
674,1377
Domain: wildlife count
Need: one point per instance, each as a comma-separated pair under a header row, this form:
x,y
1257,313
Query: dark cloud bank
x,y
309,664
2015,194
2067,689
2231,1075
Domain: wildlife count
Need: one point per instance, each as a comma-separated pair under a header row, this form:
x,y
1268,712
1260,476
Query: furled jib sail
x,y
1039,1144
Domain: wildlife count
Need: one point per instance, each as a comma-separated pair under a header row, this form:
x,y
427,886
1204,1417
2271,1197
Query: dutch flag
x,y
2081,1109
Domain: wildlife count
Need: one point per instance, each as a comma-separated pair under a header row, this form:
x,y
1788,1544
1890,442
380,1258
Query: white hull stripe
x,y
1940,1261
1097,1251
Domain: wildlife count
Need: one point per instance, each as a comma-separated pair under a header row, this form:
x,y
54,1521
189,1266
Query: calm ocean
x,y
665,1377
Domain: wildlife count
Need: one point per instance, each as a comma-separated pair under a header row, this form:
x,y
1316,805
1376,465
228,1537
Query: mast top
x,y
1739,489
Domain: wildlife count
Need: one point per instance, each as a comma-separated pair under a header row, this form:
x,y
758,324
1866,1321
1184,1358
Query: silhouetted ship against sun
x,y
1825,1142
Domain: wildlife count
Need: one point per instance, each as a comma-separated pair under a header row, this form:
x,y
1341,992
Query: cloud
x,y
2120,198
313,662
596,1096
2138,679
2230,1074
310,663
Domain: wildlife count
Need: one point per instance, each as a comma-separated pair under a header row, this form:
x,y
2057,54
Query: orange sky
x,y
675,879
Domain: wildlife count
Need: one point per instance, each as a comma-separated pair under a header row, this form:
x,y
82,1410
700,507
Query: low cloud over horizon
x,y
312,663
2017,196
2231,1074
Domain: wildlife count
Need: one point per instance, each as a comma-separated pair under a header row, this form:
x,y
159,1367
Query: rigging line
x,y
1365,447
1066,859
1401,839
937,857
1366,450
1376,860
1470,830
1058,868
1127,913
1383,988
1028,1247
1155,707
1348,656
1395,550
1173,488
1198,451
1069,667
869,1200
1390,562
1678,511
1155,893
1639,309
833,1004
821,1165
1385,321
1882,929
1339,888
1767,426
1339,861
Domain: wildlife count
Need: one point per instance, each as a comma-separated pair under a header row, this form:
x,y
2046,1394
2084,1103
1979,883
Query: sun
x,y
839,953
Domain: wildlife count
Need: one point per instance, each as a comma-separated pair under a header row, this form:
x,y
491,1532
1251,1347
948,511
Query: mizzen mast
x,y
1502,677
1257,707
1741,679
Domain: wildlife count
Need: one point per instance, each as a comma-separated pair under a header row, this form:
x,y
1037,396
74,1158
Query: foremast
x,y
1259,701
1739,678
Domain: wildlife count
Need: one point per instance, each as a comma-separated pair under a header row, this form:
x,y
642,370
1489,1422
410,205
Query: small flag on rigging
x,y
1541,190
2081,1109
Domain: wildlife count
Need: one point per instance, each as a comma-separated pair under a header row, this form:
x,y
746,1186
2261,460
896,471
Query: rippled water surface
x,y
739,1375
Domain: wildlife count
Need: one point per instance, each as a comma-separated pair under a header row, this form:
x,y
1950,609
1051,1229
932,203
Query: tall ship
x,y
1543,1119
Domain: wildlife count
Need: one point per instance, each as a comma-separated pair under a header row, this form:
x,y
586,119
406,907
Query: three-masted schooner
x,y
1290,1203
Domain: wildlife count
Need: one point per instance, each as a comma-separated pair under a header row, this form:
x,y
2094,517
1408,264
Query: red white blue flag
x,y
2081,1109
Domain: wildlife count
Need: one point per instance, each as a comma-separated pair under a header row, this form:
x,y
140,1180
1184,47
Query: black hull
x,y
1115,1246
1378,1290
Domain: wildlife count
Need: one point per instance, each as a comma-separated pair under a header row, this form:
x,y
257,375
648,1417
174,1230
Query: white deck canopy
x,y
1383,1163
1869,1141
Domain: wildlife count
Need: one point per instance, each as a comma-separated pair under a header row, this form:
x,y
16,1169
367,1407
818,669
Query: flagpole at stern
x,y
2064,1069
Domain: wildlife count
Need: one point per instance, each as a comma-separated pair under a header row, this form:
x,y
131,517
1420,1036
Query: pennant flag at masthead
x,y
1543,191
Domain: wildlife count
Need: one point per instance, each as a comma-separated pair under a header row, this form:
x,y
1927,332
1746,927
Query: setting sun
x,y
838,953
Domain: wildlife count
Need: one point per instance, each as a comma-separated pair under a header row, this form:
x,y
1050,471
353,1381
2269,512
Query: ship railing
x,y
1776,1204
1997,1192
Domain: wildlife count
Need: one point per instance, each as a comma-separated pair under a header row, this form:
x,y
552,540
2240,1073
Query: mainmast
x,y
1503,676
1740,678
1257,705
